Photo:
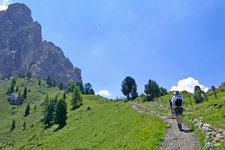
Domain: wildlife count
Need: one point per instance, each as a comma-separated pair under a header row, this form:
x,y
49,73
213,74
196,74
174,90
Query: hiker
x,y
177,103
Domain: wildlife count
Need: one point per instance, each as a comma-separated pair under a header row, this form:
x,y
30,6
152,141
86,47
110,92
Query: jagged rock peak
x,y
20,14
22,49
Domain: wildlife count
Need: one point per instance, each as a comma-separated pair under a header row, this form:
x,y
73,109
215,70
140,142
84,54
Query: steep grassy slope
x,y
98,124
9,112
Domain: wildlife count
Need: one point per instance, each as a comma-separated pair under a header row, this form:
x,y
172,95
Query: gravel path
x,y
175,139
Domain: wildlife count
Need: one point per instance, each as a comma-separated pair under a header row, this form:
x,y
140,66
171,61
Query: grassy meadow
x,y
97,124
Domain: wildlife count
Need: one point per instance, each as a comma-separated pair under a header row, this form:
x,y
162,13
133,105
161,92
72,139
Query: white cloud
x,y
104,93
188,84
4,4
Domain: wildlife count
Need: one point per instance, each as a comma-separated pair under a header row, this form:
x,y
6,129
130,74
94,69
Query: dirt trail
x,y
175,139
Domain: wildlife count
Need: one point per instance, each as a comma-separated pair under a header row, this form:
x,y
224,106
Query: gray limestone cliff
x,y
22,49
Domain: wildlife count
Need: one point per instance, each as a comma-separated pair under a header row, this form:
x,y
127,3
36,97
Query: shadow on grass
x,y
58,128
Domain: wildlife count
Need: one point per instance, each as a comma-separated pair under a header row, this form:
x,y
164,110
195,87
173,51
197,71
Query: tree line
x,y
54,108
152,89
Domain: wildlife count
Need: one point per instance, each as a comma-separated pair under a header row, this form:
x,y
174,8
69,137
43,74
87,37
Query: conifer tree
x,y
13,83
61,113
13,126
11,89
27,110
20,96
35,108
152,90
81,87
25,93
214,91
39,82
163,91
88,89
76,99
61,86
29,75
134,93
24,126
197,95
49,113
64,95
17,88
129,87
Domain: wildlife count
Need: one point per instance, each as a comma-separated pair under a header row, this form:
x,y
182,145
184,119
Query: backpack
x,y
178,101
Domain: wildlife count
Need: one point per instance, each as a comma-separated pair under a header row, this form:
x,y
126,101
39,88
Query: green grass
x,y
211,112
107,125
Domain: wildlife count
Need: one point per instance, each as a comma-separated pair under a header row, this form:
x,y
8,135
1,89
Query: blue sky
x,y
172,42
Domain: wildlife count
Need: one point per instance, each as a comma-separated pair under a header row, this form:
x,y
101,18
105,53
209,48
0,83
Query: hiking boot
x,y
180,127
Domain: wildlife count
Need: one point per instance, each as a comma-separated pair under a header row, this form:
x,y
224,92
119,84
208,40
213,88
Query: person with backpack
x,y
177,103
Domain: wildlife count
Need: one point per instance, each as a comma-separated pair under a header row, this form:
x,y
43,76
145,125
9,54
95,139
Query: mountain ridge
x,y
23,50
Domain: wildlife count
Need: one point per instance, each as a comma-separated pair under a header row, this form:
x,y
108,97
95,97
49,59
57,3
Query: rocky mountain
x,y
22,49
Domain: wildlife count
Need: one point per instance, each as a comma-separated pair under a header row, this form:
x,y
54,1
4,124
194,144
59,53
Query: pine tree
x,y
13,83
49,113
39,82
60,113
197,95
27,110
76,99
25,93
152,90
129,87
35,108
88,89
72,86
81,87
61,86
24,126
20,96
13,126
134,93
163,91
64,95
11,89
214,91
29,75
17,88
49,81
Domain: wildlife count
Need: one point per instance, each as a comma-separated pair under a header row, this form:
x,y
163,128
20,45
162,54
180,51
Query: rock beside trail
x,y
214,136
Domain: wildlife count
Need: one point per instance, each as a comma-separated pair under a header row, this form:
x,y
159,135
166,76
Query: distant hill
x,y
22,49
